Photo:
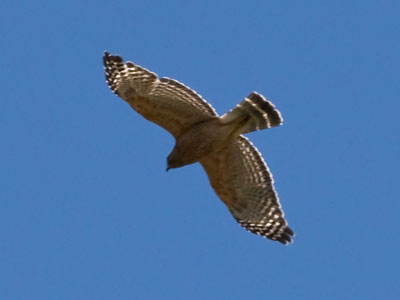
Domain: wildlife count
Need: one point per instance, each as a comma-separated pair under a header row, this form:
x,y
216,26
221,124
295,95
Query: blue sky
x,y
87,210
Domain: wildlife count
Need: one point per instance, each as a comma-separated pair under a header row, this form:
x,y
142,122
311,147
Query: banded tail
x,y
255,113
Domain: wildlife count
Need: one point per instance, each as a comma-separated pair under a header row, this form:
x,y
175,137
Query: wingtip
x,y
286,237
105,57
289,231
109,57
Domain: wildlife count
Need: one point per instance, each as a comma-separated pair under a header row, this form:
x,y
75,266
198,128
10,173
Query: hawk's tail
x,y
253,113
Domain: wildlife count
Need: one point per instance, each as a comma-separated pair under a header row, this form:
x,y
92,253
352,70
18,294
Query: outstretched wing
x,y
242,180
164,101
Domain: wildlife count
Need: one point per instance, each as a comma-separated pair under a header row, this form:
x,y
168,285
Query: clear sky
x,y
87,210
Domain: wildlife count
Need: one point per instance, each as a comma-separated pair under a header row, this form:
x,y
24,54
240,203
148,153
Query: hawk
x,y
235,168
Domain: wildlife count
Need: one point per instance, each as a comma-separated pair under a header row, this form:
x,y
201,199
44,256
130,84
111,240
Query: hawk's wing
x,y
242,180
164,101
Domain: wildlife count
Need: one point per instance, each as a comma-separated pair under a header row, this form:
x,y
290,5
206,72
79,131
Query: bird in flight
x,y
236,170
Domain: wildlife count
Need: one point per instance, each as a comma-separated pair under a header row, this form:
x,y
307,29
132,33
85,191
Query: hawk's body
x,y
235,168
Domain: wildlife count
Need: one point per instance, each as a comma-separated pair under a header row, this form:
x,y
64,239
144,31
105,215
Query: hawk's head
x,y
173,160
178,158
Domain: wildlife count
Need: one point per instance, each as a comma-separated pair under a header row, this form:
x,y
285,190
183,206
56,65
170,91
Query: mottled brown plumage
x,y
236,170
